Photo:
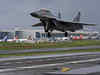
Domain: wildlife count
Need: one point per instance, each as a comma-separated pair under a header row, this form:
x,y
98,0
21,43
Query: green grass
x,y
67,44
15,46
22,46
46,53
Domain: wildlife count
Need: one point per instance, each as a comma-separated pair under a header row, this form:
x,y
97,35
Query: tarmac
x,y
94,70
40,66
42,70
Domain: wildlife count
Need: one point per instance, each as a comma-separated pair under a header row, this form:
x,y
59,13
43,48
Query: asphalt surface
x,y
47,49
39,66
47,56
94,70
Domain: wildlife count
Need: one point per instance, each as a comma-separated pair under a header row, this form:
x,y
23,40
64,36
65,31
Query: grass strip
x,y
48,53
23,46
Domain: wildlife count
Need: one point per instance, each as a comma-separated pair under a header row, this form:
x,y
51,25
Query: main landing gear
x,y
66,34
48,34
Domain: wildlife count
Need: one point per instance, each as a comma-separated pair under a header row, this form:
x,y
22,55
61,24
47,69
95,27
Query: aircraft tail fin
x,y
59,15
77,18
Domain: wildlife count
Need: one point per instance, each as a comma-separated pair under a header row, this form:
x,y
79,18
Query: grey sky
x,y
16,12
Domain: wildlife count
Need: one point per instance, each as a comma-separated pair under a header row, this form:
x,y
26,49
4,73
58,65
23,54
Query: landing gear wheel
x,y
66,34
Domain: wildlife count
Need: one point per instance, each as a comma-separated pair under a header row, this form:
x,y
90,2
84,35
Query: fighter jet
x,y
52,22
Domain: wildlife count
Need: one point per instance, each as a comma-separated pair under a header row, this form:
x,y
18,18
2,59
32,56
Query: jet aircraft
x,y
51,22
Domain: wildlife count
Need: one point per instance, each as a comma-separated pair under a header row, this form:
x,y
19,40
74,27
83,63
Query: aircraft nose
x,y
34,14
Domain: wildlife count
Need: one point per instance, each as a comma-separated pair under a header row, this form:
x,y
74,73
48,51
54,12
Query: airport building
x,y
7,32
28,33
35,33
32,33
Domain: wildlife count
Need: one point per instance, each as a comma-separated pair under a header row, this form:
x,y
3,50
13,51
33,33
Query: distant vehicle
x,y
93,37
51,22
10,40
5,39
22,40
65,38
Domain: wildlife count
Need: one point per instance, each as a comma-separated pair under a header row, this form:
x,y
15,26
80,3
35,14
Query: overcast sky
x,y
16,12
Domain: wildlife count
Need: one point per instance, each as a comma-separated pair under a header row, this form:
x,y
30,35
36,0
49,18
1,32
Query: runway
x,y
47,49
46,56
39,66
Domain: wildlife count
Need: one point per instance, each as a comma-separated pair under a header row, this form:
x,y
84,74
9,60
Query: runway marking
x,y
18,62
48,65
7,70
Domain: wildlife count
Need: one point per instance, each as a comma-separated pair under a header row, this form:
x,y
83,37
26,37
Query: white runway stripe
x,y
48,65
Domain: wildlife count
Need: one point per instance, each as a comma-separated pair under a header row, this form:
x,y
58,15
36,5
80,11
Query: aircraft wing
x,y
65,23
37,24
74,23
